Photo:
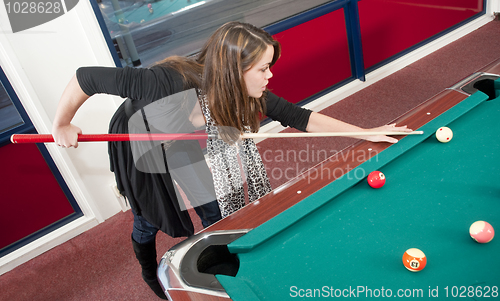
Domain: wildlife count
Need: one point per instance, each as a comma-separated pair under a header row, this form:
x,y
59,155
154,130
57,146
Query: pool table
x,y
328,234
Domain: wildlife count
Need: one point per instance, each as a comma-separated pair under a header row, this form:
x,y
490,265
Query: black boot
x,y
146,254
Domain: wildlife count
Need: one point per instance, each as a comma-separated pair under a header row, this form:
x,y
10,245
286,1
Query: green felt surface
x,y
349,236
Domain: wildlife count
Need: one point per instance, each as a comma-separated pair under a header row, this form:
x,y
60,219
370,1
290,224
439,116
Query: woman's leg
x,y
209,213
189,170
144,244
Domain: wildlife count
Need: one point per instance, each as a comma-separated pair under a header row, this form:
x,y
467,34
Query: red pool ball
x,y
414,260
482,232
376,179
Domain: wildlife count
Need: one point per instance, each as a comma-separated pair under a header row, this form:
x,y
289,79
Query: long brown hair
x,y
187,67
230,51
233,49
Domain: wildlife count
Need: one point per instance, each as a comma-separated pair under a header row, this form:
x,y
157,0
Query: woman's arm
x,y
142,85
306,120
322,123
66,134
86,82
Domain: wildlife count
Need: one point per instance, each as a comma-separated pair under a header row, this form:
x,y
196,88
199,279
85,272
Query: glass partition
x,y
9,117
144,32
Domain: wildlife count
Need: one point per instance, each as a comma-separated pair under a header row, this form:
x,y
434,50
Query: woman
x,y
230,76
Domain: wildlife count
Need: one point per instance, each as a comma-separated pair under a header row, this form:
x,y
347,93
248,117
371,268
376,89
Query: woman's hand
x,y
322,123
66,136
386,128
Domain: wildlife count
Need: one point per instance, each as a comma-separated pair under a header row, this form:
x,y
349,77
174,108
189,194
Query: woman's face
x,y
257,77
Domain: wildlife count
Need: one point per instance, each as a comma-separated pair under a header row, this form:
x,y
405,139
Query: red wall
x,y
31,198
314,57
315,54
389,27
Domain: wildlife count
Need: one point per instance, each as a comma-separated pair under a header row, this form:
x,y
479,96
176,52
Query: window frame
x,y
27,127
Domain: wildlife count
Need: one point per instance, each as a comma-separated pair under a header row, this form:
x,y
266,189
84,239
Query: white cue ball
x,y
444,134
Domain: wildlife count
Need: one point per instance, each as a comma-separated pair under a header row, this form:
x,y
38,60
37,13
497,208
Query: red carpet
x,y
100,264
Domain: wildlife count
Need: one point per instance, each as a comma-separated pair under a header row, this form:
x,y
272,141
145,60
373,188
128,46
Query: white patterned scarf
x,y
226,170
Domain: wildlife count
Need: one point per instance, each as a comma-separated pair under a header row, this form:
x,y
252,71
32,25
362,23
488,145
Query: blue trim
x,y
40,233
351,13
353,38
325,91
105,32
27,126
352,26
305,16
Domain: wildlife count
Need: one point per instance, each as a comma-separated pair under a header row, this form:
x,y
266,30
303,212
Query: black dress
x,y
152,195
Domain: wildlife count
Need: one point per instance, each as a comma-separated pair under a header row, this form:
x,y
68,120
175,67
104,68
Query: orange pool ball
x,y
414,260
376,179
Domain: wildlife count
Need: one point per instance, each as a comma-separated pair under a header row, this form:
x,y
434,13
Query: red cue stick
x,y
47,138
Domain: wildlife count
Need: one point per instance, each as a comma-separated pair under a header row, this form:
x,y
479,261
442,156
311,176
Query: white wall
x,y
495,6
39,62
